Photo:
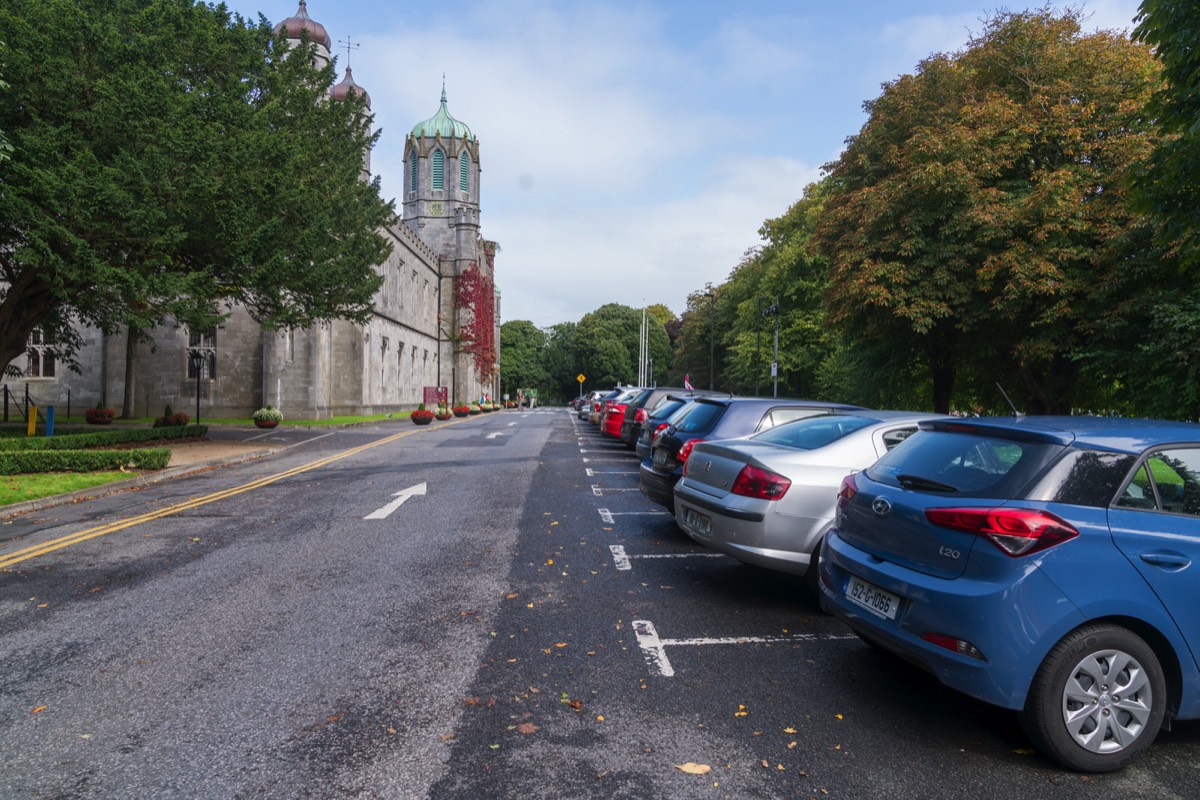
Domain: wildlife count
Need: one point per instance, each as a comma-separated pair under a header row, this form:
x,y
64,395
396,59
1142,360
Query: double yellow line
x,y
112,527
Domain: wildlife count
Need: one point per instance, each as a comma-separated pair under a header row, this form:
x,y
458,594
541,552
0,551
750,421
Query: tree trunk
x,y
132,335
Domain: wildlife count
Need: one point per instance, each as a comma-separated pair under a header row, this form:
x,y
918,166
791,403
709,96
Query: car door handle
x,y
1166,558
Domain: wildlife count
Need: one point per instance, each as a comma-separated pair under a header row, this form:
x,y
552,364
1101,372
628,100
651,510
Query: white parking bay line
x,y
624,561
599,491
654,648
591,473
609,516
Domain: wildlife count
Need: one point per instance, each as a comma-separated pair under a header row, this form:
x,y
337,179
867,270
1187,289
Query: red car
x,y
613,413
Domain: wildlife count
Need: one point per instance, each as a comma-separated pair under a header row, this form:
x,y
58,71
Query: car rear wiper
x,y
927,484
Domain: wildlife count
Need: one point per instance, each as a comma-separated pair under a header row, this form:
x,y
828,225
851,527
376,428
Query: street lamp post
x,y
758,348
196,359
773,311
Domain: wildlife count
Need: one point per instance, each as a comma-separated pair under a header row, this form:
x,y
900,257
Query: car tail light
x,y
1016,531
847,491
686,450
658,430
760,483
639,416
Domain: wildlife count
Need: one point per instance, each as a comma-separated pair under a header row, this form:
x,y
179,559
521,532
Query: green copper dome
x,y
442,124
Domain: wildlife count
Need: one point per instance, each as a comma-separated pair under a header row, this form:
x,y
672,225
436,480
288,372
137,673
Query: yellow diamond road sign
x,y
580,378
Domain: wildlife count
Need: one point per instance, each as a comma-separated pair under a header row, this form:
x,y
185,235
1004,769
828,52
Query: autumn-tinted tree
x,y
980,215
169,160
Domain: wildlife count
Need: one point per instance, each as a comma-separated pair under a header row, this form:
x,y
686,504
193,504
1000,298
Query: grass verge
x,y
19,488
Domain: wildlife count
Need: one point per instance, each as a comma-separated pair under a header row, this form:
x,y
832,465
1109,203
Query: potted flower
x,y
461,411
443,412
99,415
267,417
475,409
421,416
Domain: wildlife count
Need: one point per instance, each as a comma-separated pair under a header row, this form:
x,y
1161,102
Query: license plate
x,y
701,523
872,598
660,458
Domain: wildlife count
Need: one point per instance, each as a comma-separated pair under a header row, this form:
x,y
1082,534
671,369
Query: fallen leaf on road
x,y
561,644
789,730
692,768
38,710
448,737
741,712
527,727
791,745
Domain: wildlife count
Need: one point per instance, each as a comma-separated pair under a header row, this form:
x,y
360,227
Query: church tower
x,y
441,187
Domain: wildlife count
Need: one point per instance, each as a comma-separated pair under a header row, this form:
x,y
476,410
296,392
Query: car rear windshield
x,y
699,417
667,407
814,432
975,465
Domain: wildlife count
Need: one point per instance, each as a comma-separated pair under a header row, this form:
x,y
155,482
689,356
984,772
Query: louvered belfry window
x,y
439,169
463,167
412,172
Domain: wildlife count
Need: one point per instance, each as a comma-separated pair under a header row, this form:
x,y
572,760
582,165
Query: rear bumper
x,y
656,485
1013,623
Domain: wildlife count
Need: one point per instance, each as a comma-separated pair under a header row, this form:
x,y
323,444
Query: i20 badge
x,y
881,506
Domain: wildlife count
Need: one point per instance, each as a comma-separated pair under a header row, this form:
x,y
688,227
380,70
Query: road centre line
x,y
654,648
91,533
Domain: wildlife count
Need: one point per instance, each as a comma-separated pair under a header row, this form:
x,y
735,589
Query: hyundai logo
x,y
881,506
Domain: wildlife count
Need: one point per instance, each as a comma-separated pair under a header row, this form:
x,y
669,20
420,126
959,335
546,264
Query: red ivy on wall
x,y
474,298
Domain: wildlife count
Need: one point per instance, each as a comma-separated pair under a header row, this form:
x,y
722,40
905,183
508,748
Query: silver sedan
x,y
768,499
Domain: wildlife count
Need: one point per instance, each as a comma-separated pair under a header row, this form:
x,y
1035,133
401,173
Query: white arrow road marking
x,y
493,435
511,424
401,496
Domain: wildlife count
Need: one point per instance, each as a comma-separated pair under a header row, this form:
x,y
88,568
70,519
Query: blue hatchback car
x,y
1042,564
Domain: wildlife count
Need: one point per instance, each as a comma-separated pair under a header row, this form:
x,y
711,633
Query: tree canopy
x,y
980,217
605,344
522,356
171,159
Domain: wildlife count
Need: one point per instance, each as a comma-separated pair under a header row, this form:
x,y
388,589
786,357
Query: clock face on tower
x,y
436,209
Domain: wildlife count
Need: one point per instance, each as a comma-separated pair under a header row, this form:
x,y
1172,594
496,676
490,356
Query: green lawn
x,y
19,488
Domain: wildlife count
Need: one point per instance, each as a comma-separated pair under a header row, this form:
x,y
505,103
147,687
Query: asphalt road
x,y
528,627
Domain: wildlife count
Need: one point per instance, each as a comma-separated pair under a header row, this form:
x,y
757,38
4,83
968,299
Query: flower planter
x,y
421,417
461,412
265,423
442,417
474,411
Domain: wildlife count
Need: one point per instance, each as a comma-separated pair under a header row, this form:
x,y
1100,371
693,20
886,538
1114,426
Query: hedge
x,y
81,441
82,460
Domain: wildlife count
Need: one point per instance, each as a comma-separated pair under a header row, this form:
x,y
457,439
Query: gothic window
x,y
464,164
412,172
439,169
41,356
205,344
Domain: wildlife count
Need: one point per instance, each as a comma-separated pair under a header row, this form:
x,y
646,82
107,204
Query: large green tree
x,y
980,217
606,343
522,357
171,159
1169,186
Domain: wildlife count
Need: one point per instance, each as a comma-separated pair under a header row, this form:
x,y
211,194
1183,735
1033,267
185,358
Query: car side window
x,y
1176,475
893,438
1140,492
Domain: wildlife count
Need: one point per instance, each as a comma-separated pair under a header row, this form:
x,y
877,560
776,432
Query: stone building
x,y
435,321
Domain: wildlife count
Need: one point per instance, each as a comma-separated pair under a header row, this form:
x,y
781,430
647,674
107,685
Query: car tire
x,y
812,576
1097,700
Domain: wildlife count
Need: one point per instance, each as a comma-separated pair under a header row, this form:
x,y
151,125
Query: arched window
x,y
464,164
412,172
439,169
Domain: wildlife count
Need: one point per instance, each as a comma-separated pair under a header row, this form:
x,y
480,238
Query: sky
x,y
631,151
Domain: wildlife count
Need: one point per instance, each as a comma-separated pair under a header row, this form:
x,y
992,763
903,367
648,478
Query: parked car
x,y
637,411
1042,564
768,499
658,419
614,412
597,407
716,418
585,406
